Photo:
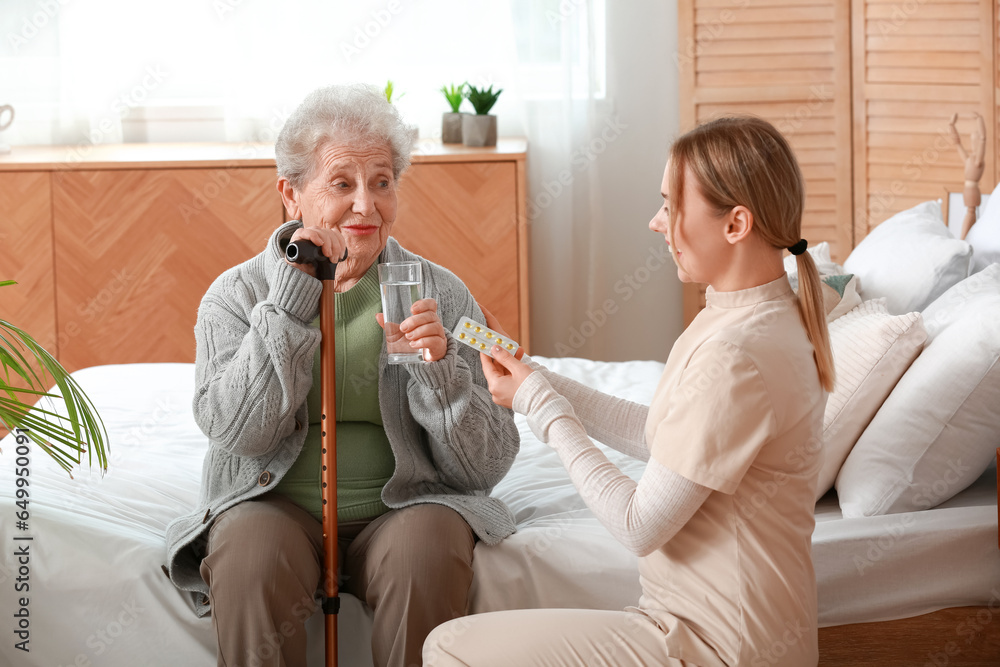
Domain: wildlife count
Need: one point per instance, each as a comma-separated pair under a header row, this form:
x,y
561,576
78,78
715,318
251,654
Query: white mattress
x,y
98,594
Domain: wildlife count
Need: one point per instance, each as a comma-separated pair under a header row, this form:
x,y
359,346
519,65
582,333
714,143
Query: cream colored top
x,y
738,409
735,414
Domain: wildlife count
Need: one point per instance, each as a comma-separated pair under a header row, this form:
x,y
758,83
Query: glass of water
x,y
401,287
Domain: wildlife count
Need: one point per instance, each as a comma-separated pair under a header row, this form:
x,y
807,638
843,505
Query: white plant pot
x,y
479,130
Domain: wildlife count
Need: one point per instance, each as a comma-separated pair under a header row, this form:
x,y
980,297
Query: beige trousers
x,y
562,638
412,566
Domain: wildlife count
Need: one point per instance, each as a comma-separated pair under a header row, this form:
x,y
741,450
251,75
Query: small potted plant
x,y
388,91
451,123
480,129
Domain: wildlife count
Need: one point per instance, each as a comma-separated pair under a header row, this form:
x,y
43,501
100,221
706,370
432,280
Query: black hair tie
x,y
799,247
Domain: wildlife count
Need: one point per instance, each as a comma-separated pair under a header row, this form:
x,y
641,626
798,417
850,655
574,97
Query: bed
x,y
909,583
98,595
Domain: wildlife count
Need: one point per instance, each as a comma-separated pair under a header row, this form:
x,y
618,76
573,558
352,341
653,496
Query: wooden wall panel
x,y
787,61
462,215
915,64
149,242
898,71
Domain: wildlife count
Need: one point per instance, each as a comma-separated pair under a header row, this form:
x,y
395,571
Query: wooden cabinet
x,y
114,253
461,215
26,255
135,250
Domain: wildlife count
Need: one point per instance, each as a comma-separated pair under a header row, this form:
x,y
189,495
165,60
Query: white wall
x,y
645,305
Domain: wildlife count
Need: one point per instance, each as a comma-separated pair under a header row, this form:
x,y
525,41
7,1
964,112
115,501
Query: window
x,y
75,70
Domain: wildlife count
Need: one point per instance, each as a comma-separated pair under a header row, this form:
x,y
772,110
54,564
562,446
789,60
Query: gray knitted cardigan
x,y
253,369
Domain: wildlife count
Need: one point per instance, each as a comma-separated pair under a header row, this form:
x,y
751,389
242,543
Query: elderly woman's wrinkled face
x,y
352,189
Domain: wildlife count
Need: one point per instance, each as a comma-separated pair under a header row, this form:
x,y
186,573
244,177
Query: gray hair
x,y
357,113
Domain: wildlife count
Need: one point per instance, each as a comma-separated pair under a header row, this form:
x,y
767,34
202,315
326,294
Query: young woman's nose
x,y
659,223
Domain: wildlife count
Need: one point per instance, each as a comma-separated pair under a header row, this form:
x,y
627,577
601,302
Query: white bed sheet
x,y
98,596
900,565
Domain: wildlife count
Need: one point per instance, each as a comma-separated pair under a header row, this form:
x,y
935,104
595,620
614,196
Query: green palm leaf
x,y
64,437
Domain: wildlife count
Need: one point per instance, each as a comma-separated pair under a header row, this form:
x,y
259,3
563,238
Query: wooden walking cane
x,y
305,252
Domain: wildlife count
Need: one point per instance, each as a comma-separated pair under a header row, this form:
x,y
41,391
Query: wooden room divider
x,y
863,89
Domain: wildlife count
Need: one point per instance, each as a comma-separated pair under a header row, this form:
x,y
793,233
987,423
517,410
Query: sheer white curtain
x,y
75,69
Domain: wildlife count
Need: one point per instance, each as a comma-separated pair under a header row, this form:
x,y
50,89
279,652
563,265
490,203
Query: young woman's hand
x,y
423,329
493,323
504,374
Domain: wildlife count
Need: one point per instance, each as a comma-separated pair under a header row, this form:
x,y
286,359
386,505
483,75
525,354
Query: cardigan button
x,y
264,479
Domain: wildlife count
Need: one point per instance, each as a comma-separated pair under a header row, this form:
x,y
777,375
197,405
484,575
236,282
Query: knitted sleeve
x,y
253,361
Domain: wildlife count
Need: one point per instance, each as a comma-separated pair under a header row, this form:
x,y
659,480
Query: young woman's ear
x,y
739,224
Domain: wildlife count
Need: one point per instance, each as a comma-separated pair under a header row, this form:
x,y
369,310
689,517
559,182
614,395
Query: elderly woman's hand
x,y
504,374
330,240
423,329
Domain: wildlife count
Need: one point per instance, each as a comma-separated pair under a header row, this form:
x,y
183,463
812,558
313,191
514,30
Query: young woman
x,y
722,517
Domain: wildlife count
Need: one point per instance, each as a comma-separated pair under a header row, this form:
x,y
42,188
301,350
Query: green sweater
x,y
364,458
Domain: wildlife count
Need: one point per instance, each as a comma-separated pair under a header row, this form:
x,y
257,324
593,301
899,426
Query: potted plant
x,y
63,437
480,129
387,91
451,123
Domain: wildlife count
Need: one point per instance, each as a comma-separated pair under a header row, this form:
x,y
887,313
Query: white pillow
x,y
821,256
871,351
910,259
939,428
984,237
838,303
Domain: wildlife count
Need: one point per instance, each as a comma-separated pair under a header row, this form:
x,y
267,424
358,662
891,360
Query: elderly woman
x,y
419,445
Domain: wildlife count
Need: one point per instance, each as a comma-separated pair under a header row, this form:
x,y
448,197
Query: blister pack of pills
x,y
481,338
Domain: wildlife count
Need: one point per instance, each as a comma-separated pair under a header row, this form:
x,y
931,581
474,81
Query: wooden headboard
x,y
864,91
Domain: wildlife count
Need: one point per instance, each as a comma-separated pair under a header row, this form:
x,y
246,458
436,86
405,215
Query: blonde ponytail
x,y
813,316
